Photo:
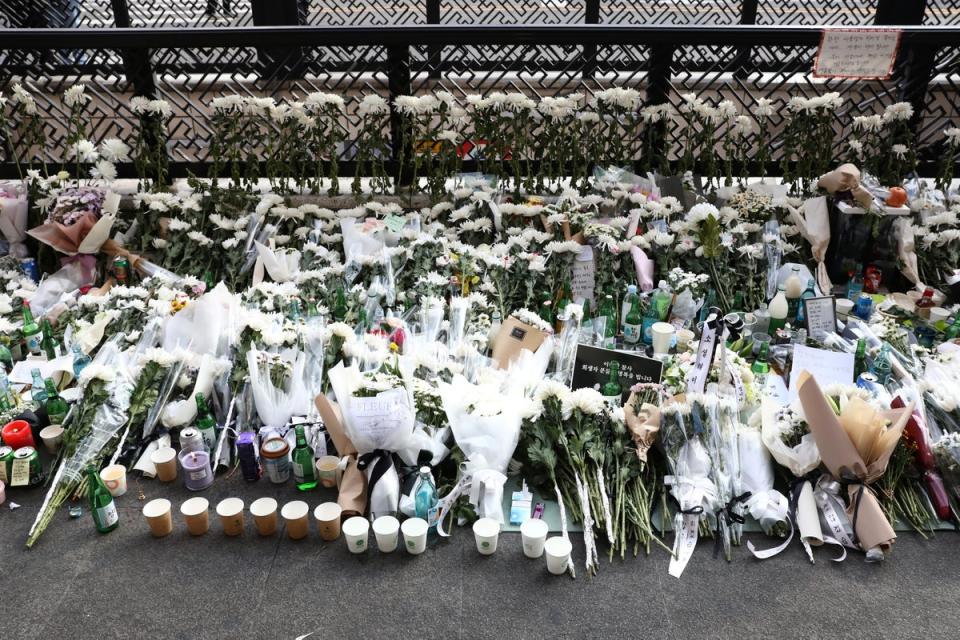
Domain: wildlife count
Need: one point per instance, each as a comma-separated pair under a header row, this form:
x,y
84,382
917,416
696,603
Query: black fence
x,y
189,67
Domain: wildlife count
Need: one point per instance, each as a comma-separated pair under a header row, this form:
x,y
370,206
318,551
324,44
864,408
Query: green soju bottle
x,y
860,359
611,390
206,425
102,506
761,366
48,344
633,323
32,334
304,473
55,405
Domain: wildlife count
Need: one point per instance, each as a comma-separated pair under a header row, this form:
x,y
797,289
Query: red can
x,y
872,279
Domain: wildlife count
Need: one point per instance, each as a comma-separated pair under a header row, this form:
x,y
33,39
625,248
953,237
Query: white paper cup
x,y
844,307
52,436
194,512
328,471
165,461
415,535
557,550
157,514
296,515
486,531
387,530
936,315
327,516
662,335
533,534
115,478
230,511
356,530
264,512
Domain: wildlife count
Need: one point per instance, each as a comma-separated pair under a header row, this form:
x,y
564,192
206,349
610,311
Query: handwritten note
x,y
395,223
857,53
20,475
828,367
820,315
377,418
583,278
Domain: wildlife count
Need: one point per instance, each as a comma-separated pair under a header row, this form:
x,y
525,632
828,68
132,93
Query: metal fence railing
x,y
188,67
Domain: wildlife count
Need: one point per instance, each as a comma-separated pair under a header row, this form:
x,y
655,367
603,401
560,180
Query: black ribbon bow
x,y
381,461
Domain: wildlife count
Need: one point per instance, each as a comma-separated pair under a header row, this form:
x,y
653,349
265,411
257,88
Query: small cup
x,y
157,514
115,478
3,492
533,534
844,307
387,530
356,530
557,550
165,460
295,516
684,337
415,535
662,334
328,471
52,437
487,532
327,516
264,512
937,314
230,511
194,512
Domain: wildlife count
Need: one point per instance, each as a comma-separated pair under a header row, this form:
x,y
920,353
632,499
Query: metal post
x,y
136,62
277,61
658,90
915,61
399,84
591,15
748,15
900,12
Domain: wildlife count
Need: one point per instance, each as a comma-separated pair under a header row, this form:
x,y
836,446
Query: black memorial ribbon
x,y
729,516
381,461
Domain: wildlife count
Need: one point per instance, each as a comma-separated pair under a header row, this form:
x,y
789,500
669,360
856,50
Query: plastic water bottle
x,y
425,500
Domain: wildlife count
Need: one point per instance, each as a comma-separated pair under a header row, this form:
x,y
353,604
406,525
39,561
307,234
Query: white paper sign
x,y
378,417
684,542
820,315
857,53
828,367
583,278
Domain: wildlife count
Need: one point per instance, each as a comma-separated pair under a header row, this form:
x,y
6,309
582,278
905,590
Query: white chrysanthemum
x,y
341,330
161,356
176,224
550,389
373,105
199,238
96,371
84,150
587,401
898,111
75,96
115,150
763,108
700,212
104,170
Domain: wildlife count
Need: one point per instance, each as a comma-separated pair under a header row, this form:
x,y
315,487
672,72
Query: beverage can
x,y
191,440
864,306
868,381
26,470
121,269
29,268
6,463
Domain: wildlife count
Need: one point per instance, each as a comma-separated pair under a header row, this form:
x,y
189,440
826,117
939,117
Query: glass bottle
x,y
855,284
779,309
881,365
953,331
761,366
293,311
6,357
7,400
608,311
763,319
38,390
80,359
55,405
611,390
32,334
737,306
633,322
925,303
304,472
48,344
650,318
102,506
426,503
809,292
710,300
860,358
662,299
792,289
340,305
496,321
564,298
628,301
206,425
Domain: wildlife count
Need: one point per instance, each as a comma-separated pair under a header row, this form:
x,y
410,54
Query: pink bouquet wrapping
x,y
79,220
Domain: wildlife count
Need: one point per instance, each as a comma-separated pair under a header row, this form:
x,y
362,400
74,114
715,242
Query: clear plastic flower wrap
x,y
277,384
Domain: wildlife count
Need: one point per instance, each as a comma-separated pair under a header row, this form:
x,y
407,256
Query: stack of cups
x,y
194,512
415,535
533,534
487,532
327,516
295,515
557,550
230,511
264,512
157,514
387,530
356,530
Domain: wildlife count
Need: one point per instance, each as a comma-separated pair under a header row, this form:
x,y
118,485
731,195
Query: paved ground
x,y
78,584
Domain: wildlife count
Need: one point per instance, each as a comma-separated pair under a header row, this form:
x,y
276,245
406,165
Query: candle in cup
x,y
17,434
196,470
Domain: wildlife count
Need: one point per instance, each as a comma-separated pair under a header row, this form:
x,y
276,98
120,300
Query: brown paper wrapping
x,y
644,426
352,496
64,238
846,177
578,236
512,338
845,463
